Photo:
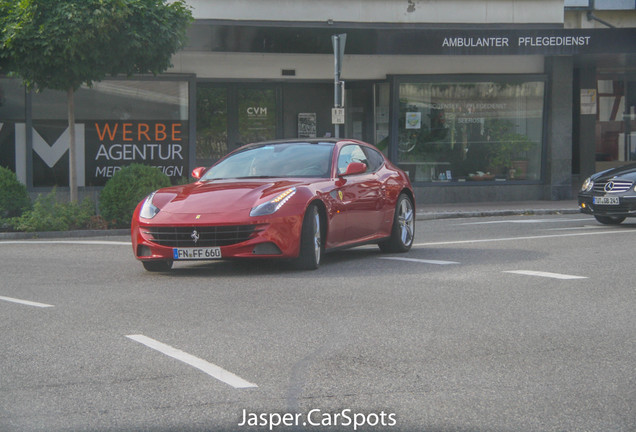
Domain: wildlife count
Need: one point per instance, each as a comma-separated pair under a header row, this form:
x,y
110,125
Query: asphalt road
x,y
521,323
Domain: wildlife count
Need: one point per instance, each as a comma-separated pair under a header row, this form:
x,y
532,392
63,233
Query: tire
x,y
403,230
157,266
610,220
311,247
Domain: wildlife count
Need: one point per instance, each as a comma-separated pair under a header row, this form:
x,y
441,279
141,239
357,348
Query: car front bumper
x,y
625,207
274,238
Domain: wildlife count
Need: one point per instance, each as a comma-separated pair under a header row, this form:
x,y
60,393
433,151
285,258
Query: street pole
x,y
338,42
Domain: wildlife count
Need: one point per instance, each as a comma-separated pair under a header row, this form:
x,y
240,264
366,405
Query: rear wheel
x,y
610,220
403,230
310,240
157,266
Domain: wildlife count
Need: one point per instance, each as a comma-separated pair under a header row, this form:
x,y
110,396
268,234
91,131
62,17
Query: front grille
x,y
613,186
209,236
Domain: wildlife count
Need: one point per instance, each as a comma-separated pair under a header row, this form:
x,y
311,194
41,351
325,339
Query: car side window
x,y
348,154
375,159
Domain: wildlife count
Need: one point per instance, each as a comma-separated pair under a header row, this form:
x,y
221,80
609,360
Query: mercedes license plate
x,y
196,253
606,200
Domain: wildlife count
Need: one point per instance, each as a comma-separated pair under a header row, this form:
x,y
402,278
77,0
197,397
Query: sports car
x,y
610,196
292,199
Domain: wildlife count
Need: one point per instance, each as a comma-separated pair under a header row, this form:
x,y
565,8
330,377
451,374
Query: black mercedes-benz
x,y
610,196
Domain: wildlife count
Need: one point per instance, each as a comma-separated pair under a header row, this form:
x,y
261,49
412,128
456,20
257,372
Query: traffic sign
x,y
337,115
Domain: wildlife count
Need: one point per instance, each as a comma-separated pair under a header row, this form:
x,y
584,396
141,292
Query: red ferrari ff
x,y
293,199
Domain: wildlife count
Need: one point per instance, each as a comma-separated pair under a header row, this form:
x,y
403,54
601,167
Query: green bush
x,y
49,215
14,199
126,189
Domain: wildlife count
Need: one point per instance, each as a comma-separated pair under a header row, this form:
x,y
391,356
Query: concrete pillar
x,y
587,126
559,129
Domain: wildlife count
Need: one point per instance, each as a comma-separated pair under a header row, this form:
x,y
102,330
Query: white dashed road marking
x,y
545,274
424,261
25,302
537,237
209,368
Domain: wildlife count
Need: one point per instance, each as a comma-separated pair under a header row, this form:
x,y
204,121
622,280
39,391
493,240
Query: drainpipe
x,y
592,17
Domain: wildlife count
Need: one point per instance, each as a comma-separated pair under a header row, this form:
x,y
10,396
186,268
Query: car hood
x,y
627,172
218,196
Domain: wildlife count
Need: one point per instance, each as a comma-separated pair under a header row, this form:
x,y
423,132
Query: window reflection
x,y
471,131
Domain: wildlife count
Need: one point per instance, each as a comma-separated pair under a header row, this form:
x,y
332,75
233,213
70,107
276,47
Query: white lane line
x,y
209,368
424,261
584,227
545,274
25,302
525,221
77,242
539,237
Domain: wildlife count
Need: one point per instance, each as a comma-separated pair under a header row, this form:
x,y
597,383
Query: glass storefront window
x,y
471,131
616,121
12,112
211,124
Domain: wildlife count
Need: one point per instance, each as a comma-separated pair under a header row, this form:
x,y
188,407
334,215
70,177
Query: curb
x,y
489,213
63,234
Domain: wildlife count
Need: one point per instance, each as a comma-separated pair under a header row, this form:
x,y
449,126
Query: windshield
x,y
298,159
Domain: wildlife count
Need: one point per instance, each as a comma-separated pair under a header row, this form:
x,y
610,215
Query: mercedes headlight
x,y
148,209
588,184
274,204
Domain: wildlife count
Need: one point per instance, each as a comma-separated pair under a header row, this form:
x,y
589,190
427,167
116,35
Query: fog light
x,y
143,251
266,249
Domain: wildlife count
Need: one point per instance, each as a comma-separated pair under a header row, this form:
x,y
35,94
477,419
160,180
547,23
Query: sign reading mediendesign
x,y
110,145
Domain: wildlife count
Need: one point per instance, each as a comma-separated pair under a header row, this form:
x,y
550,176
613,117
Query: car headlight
x,y
148,209
274,204
587,186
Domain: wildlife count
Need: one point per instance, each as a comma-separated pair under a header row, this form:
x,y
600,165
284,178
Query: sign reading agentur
x,y
110,145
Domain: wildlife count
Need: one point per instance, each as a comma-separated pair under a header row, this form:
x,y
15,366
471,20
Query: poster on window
x,y
307,125
413,120
588,101
102,148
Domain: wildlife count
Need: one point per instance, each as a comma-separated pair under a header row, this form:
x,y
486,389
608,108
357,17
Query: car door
x,y
360,194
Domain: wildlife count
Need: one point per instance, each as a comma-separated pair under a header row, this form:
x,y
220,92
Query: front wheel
x,y
403,230
610,220
157,266
310,240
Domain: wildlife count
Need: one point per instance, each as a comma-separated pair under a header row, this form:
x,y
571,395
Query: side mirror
x,y
197,173
355,168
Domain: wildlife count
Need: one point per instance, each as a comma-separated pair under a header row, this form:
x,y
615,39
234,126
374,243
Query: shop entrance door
x,y
616,122
230,115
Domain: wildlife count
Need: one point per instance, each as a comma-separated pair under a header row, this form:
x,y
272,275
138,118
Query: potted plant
x,y
509,150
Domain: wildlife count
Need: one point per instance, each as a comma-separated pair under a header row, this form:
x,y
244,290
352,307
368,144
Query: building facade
x,y
477,100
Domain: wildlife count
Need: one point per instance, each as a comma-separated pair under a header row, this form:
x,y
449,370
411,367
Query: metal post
x,y
338,42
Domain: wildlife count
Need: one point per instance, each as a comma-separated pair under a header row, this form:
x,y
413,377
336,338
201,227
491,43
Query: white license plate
x,y
605,200
196,253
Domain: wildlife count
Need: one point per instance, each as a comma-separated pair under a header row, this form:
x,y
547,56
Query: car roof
x,y
326,140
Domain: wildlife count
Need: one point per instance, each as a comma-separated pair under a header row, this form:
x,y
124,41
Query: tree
x,y
63,44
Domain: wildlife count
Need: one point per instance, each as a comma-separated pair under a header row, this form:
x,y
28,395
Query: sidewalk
x,y
507,208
